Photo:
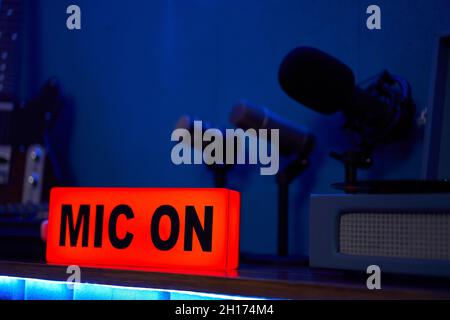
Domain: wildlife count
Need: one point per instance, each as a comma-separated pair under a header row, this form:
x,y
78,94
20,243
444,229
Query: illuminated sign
x,y
160,228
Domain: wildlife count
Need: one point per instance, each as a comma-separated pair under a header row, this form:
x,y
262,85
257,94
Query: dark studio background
x,y
137,66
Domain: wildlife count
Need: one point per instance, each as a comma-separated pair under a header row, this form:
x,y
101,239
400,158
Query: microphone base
x,y
394,186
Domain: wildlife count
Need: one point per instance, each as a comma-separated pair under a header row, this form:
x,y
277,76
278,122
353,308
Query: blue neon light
x,y
46,290
14,288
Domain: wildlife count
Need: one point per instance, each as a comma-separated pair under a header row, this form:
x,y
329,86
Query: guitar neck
x,y
11,13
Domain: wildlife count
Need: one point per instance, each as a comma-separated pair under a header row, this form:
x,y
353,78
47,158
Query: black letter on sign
x,y
112,227
74,230
204,235
165,245
98,239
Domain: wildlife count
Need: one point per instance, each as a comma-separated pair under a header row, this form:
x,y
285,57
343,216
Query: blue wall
x,y
136,66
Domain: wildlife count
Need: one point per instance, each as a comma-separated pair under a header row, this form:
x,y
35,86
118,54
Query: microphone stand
x,y
220,173
353,160
284,178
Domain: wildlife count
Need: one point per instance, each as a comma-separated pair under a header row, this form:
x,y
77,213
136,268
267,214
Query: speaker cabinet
x,y
405,234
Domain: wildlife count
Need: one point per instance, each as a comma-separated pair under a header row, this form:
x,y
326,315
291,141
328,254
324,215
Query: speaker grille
x,y
402,235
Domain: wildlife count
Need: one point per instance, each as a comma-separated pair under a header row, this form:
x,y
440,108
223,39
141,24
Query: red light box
x,y
156,228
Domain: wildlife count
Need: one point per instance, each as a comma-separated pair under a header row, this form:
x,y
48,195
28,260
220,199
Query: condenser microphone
x,y
293,138
326,85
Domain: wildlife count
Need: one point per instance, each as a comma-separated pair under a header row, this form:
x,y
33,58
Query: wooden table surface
x,y
294,282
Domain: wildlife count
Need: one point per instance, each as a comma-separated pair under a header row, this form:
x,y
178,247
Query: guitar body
x,y
12,174
26,174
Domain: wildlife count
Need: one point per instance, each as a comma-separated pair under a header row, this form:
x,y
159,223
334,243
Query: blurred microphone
x,y
293,139
220,170
188,123
326,85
